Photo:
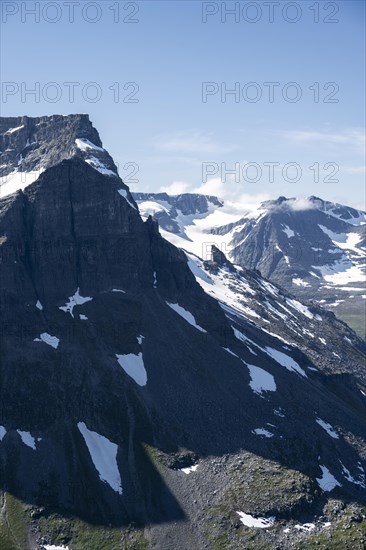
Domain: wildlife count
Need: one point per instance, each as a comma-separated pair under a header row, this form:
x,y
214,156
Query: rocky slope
x,y
136,411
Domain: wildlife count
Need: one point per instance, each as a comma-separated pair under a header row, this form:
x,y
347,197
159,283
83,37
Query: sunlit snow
x,y
259,523
189,469
99,166
12,130
301,308
17,180
84,144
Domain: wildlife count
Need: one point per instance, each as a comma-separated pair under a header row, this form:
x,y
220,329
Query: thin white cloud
x,y
302,203
355,137
353,169
232,193
192,142
175,188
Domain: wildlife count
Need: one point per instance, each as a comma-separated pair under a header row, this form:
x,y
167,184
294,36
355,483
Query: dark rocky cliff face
x,y
105,332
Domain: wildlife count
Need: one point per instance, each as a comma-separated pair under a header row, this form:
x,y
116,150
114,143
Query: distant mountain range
x,y
313,248
158,398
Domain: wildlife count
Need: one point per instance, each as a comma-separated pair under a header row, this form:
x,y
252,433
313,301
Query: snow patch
x,y
124,194
262,431
84,144
75,300
328,428
288,231
284,360
27,439
351,479
301,308
300,282
104,456
12,130
187,316
261,380
100,167
258,523
305,526
52,341
231,352
39,305
17,181
189,469
133,365
327,482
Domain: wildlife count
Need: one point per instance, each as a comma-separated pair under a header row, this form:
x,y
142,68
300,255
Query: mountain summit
x,y
140,410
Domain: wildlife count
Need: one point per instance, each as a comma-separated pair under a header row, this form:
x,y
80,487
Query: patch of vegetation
x,y
153,453
261,488
348,532
265,487
80,535
13,523
175,461
134,539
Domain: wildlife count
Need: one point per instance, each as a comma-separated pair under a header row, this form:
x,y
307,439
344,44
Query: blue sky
x,y
169,132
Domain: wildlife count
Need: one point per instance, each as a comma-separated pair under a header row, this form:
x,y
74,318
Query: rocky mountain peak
x,y
28,146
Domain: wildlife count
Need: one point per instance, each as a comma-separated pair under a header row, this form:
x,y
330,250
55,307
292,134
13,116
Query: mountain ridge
x,y
132,401
313,248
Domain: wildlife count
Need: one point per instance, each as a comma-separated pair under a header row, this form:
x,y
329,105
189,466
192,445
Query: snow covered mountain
x,y
139,410
313,248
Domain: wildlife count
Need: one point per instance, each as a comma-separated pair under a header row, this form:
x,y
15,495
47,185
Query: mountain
x,y
139,411
314,248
